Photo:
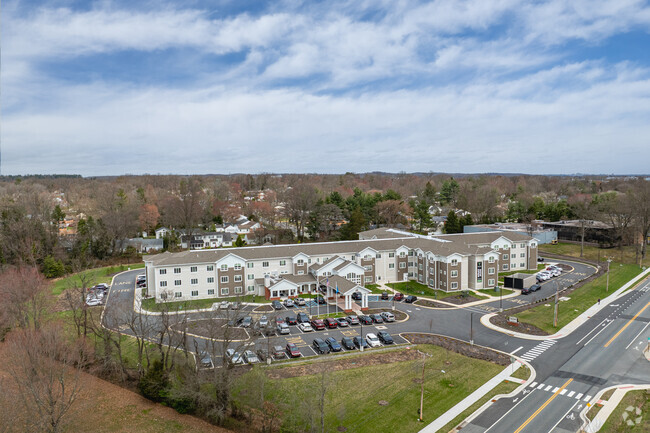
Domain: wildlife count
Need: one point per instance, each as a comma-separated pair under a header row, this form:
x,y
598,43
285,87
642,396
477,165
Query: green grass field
x,y
374,288
354,394
616,424
581,299
625,254
493,292
94,276
417,289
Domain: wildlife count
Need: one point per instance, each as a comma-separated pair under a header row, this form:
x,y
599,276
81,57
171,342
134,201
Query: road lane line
x,y
551,398
587,398
541,385
637,335
627,324
533,385
516,350
563,392
511,409
595,327
562,417
555,389
596,335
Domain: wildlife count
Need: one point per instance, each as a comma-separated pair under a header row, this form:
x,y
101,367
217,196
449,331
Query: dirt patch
x,y
460,300
346,363
501,320
264,309
459,347
214,328
399,315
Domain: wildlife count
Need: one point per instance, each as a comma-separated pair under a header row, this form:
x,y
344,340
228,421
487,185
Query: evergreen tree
x,y
350,231
452,225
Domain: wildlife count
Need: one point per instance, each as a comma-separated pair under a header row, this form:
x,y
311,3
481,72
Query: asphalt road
x,y
570,370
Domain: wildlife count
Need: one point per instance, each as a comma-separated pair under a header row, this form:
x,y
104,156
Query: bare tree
x,y
641,200
25,297
300,200
46,371
75,299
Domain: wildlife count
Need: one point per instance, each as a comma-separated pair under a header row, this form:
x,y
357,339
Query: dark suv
x,y
320,346
384,296
410,299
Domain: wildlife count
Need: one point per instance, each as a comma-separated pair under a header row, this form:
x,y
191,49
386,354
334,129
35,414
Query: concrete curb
x,y
608,406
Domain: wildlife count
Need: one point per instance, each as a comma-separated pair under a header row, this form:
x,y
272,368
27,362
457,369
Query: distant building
x,y
596,232
543,235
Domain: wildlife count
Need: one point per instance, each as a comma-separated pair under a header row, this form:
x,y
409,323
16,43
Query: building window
x,y
193,269
522,265
454,273
194,281
300,262
282,263
411,264
533,245
250,265
210,280
523,245
178,294
513,256
491,259
195,293
491,271
238,278
177,282
210,291
238,289
301,272
163,272
163,284
454,285
420,266
251,288
367,268
265,264
210,268
490,283
505,257
224,279
308,260
522,255
368,279
505,266
250,276
391,255
238,266
224,267
378,256
177,270
225,291
454,262
411,253
402,265
391,266
402,254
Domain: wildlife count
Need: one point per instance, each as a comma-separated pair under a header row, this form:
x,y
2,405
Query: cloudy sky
x,y
114,87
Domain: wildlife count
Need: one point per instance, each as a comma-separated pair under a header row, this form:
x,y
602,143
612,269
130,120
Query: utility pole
x,y
556,306
424,363
609,260
471,328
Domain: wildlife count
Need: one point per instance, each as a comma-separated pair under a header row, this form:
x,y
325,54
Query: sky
x,y
286,86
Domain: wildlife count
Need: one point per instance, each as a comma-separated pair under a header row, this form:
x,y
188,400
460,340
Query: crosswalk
x,y
538,350
566,392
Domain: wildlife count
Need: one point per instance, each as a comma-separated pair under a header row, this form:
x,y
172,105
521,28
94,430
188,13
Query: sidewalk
x,y
483,390
608,406
575,323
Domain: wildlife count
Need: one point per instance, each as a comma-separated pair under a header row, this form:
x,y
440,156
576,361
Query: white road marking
x,y
506,414
596,335
587,398
516,350
563,416
533,385
548,387
571,394
563,391
578,396
555,389
541,385
636,336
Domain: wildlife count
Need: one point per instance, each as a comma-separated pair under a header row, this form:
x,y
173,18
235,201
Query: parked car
x,y
348,343
235,306
305,327
333,344
291,320
385,337
384,296
102,286
331,323
93,302
356,296
398,297
283,329
264,322
540,259
376,318
320,346
292,351
342,321
410,299
300,302
320,300
366,320
358,342
526,291
352,320
372,340
234,357
388,317
279,320
205,360
246,322
277,304
288,303
262,354
302,317
318,324
224,305
250,357
278,352
535,287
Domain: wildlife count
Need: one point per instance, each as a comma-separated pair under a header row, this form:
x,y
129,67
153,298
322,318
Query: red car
x,y
331,323
398,297
293,351
318,324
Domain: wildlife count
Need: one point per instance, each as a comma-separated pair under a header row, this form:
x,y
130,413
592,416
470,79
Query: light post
x,y
556,305
471,328
609,260
361,342
500,298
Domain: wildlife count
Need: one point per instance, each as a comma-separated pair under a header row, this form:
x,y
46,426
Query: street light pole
x,y
361,342
609,260
556,306
424,363
471,328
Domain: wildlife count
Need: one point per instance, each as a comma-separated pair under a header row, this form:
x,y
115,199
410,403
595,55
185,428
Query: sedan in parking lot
x,y
320,346
385,337
278,352
300,302
372,340
358,342
320,300
342,321
318,324
292,351
535,287
388,317
246,322
398,297
283,328
348,343
376,318
305,327
277,305
288,303
302,317
333,344
224,305
264,322
262,354
250,357
366,320
384,296
410,299
356,296
291,320
352,320
205,360
331,323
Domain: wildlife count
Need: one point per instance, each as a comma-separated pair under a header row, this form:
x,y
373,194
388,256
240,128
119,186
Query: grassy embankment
x,y
626,255
93,276
616,424
417,289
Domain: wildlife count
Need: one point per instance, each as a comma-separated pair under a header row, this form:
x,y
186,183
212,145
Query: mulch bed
x,y
460,347
431,304
501,320
456,300
264,309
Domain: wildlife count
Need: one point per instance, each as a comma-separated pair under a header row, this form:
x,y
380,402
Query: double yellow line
x,y
543,406
626,325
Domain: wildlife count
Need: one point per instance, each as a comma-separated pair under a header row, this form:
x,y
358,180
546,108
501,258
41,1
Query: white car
x,y
388,317
92,302
373,340
264,321
288,303
305,327
544,275
224,305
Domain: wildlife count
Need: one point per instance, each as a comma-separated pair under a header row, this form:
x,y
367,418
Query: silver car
x,y
283,328
264,322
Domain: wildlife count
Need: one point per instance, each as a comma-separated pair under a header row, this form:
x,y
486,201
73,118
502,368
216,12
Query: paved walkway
x,y
484,389
609,406
575,323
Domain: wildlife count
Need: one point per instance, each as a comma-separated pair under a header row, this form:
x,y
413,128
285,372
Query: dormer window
x,y
454,262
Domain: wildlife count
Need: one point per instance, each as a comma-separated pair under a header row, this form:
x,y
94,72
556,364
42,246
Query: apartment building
x,y
447,262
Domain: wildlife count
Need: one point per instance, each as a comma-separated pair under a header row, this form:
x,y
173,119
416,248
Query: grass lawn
x,y
197,304
493,292
615,422
399,386
417,289
625,254
95,276
374,288
581,299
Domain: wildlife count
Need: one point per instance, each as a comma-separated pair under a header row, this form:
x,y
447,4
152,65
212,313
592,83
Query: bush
x,y
154,384
53,268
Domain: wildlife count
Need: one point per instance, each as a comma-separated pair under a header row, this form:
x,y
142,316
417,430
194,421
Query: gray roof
x,y
381,233
463,244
